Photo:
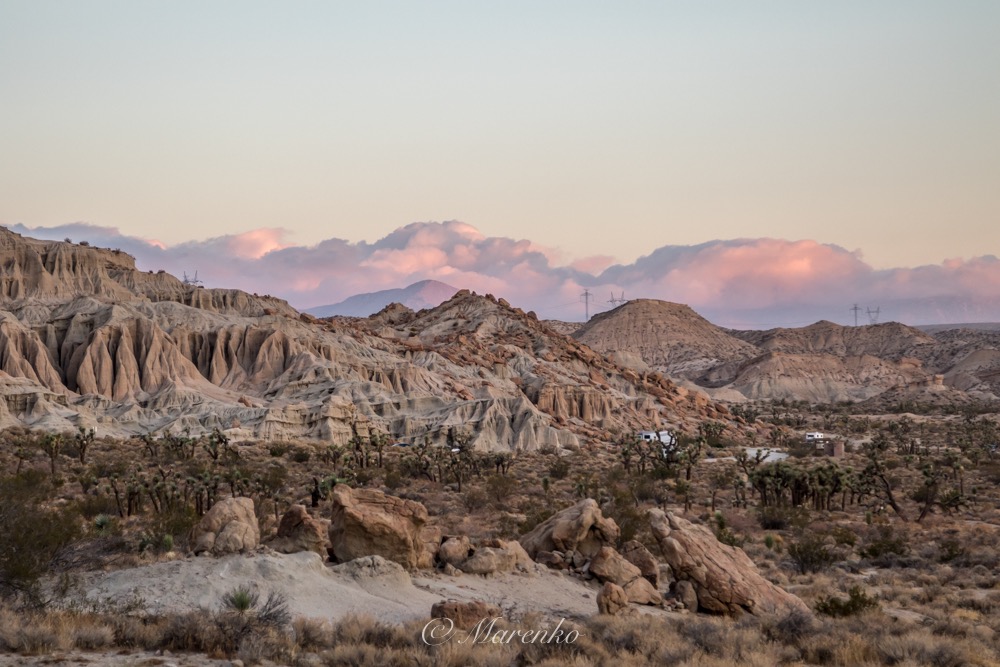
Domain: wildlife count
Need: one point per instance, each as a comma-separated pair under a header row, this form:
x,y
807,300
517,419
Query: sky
x,y
597,131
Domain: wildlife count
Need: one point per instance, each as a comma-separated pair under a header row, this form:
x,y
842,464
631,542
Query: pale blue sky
x,y
597,128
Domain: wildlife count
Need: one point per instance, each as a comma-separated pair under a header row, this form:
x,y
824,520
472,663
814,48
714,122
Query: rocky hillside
x,y
88,340
664,335
822,362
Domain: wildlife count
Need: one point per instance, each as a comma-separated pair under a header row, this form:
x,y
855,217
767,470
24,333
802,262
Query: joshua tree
x,y
84,439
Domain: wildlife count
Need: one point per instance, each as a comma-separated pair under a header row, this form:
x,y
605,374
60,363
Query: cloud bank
x,y
751,282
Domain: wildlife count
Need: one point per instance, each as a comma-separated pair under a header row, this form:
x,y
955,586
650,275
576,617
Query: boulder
x,y
580,528
522,561
367,522
612,600
297,531
684,591
609,565
487,560
724,578
455,550
637,554
465,615
230,526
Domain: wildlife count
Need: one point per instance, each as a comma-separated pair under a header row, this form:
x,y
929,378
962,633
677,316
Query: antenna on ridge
x,y
586,303
873,314
192,281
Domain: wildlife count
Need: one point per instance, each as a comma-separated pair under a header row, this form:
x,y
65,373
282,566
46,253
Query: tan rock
x,y
612,600
581,528
455,550
609,565
725,580
637,554
297,531
230,526
465,615
487,560
366,522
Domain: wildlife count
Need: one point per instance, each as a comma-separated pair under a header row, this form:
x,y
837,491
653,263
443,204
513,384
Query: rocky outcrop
x,y
580,528
297,531
465,615
366,522
637,554
230,526
610,566
612,600
724,578
491,557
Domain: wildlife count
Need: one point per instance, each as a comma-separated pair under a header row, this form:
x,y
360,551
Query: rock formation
x,y
580,528
367,522
230,526
465,615
88,338
610,566
612,600
724,578
297,531
637,554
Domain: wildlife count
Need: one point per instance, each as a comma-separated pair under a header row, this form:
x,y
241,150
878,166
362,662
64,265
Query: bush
x,y
884,544
559,469
857,601
782,518
32,534
810,554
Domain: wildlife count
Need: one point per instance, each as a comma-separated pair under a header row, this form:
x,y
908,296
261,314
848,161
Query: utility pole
x,y
856,309
586,303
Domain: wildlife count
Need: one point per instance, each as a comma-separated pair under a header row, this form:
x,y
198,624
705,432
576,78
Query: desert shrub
x,y
32,534
500,487
843,535
949,550
857,601
474,499
810,554
724,533
300,455
559,469
278,449
782,518
885,543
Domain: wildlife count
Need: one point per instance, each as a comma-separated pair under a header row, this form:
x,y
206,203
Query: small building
x,y
815,438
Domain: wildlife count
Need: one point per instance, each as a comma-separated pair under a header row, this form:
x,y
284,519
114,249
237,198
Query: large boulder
x,y
465,615
487,560
297,531
612,600
609,565
580,528
366,522
637,554
455,550
725,580
230,526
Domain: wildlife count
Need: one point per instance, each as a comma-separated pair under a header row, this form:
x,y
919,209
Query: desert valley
x,y
205,476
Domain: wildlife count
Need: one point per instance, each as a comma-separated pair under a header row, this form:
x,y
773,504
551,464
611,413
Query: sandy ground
x,y
315,589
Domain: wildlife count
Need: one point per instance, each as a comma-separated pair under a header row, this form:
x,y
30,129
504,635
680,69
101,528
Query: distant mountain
x,y
424,294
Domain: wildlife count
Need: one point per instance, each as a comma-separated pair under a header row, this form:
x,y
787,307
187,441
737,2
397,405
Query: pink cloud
x,y
741,280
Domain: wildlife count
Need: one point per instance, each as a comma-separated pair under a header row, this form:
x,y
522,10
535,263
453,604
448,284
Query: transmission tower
x,y
873,314
586,296
856,309
192,281
616,300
